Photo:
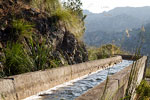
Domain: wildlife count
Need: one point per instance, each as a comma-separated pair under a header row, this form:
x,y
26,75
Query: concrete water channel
x,y
73,89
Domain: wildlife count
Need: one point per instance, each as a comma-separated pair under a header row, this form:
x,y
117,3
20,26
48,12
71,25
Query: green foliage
x,y
134,72
46,5
63,15
16,60
20,60
26,53
105,88
148,72
71,14
54,63
92,53
21,28
143,91
71,21
39,55
74,6
104,51
2,96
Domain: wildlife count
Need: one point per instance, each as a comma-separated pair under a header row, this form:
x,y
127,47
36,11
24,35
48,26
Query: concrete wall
x,y
117,84
129,57
138,76
24,85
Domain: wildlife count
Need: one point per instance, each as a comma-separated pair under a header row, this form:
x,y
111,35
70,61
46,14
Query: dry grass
x,y
54,8
46,5
104,51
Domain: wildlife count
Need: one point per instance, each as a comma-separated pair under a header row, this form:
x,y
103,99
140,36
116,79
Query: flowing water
x,y
73,89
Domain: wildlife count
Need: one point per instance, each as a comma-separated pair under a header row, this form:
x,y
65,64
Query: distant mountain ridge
x,y
110,26
115,20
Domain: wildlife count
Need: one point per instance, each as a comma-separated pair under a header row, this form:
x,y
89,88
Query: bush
x,y
39,55
73,20
46,5
63,15
92,53
75,7
104,51
74,24
16,60
21,28
143,91
54,63
148,72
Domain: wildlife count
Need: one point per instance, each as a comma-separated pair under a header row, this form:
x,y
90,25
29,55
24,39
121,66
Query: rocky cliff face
x,y
48,29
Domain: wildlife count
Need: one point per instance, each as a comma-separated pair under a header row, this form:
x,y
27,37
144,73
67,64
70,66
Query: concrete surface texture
x,y
115,87
21,86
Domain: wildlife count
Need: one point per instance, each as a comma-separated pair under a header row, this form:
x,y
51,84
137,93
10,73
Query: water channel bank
x,y
25,85
75,88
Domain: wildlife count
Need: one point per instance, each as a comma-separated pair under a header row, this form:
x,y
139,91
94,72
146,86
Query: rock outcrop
x,y
65,46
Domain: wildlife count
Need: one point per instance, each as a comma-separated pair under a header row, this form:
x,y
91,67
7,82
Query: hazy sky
x,y
98,6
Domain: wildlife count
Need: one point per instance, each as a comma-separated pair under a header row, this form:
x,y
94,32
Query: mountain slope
x,y
110,27
113,21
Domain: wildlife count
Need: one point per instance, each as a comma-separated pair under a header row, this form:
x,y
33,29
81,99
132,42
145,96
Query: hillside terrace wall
x,y
116,85
24,85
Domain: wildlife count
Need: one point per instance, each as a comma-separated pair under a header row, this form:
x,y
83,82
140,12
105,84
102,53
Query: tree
x,y
75,7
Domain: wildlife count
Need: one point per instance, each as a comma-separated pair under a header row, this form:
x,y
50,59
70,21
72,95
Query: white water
x,y
73,89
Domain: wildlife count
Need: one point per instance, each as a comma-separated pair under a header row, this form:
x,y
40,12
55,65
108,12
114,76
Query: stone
x,y
56,35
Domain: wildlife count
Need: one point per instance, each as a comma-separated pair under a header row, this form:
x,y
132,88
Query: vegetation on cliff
x,y
40,34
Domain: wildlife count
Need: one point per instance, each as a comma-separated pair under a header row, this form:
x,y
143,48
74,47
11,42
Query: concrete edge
x,y
21,86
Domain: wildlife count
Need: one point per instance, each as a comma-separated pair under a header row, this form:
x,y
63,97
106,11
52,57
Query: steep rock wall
x,y
65,46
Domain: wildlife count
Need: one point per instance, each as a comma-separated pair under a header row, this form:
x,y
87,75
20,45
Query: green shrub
x,y
143,91
75,7
46,5
2,96
21,28
148,72
104,51
92,53
54,63
2,74
63,15
16,60
72,20
39,55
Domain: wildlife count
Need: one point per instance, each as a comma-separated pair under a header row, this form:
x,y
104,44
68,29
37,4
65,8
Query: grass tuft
x,y
39,55
21,28
16,61
143,91
63,15
104,51
48,6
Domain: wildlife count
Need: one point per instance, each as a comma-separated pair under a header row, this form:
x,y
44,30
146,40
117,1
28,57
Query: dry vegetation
x,y
104,51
